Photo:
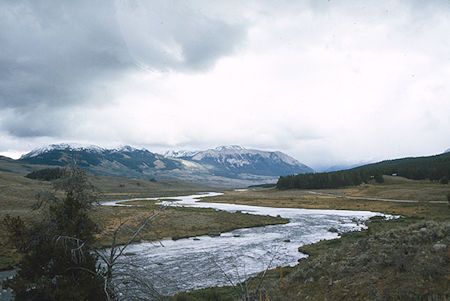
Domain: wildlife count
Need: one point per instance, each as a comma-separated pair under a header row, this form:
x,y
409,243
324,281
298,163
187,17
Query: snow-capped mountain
x,y
63,146
235,160
77,147
222,166
121,161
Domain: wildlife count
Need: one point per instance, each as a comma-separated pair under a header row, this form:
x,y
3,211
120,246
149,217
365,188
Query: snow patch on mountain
x,y
287,159
236,162
127,148
225,148
180,153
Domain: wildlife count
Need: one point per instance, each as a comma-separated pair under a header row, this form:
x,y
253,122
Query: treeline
x,y
46,174
434,168
268,185
321,180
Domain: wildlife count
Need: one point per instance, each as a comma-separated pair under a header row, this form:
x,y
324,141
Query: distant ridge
x,y
223,166
235,160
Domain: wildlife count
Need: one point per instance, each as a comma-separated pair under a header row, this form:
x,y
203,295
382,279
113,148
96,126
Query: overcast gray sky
x,y
326,82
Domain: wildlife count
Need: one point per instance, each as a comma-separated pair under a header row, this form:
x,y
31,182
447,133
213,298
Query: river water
x,y
192,263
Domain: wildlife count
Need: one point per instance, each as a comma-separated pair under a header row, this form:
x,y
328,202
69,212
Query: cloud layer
x,y
326,82
68,54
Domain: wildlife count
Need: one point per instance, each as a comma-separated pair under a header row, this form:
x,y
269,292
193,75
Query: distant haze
x,y
327,82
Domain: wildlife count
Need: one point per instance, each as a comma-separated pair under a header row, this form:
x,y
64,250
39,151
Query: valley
x,y
225,150
243,215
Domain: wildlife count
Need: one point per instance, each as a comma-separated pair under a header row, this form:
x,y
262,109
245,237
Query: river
x,y
193,263
171,266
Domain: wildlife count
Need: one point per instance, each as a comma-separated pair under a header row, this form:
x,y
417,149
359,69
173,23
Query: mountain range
x,y
224,166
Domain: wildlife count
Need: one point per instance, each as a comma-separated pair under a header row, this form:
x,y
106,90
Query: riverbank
x,y
406,263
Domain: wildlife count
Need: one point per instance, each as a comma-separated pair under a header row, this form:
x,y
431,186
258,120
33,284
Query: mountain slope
x,y
236,161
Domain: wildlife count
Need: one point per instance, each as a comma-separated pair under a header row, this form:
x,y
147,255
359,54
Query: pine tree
x,y
57,263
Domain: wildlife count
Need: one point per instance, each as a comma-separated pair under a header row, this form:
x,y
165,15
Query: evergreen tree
x,y
46,174
379,177
57,263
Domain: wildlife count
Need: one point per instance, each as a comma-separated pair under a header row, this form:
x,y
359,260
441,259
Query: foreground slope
x,y
409,263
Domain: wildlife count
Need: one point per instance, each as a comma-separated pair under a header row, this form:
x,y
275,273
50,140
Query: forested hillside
x,y
434,168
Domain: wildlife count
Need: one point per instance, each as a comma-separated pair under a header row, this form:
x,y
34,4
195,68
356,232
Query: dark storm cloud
x,y
38,122
176,35
51,52
64,54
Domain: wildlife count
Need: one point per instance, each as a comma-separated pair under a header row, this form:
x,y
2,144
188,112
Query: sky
x,y
327,82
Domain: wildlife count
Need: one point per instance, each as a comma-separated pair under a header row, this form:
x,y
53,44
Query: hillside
x,y
434,168
416,168
17,167
221,167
